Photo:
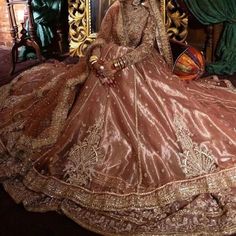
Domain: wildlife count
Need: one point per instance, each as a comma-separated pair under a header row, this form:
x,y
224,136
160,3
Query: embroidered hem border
x,y
65,208
167,194
226,231
58,198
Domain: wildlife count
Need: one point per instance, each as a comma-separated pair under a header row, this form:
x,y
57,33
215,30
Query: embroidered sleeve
x,y
146,46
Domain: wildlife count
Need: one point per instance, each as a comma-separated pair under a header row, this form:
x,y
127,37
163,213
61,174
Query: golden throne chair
x,y
85,17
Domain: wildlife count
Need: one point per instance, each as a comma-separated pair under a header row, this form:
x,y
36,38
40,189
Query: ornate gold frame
x,y
79,27
176,20
80,24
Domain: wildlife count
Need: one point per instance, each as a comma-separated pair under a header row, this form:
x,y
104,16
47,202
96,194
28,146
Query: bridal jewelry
x,y
101,67
119,63
93,59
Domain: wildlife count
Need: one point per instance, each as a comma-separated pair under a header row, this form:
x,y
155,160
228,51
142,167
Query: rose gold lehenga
x,y
152,155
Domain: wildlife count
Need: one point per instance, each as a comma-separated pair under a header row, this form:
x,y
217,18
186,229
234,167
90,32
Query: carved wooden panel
x,y
86,15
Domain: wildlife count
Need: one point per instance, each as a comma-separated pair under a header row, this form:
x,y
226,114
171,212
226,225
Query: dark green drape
x,y
217,11
46,14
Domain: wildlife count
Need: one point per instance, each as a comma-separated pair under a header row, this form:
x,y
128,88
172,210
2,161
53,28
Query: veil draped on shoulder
x,y
161,35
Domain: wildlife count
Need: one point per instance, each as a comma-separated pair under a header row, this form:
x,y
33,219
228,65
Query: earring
x,y
136,2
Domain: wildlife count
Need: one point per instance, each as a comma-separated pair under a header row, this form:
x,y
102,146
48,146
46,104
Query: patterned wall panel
x,y
83,13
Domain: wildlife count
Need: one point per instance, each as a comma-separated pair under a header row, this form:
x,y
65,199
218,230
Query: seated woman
x,y
137,151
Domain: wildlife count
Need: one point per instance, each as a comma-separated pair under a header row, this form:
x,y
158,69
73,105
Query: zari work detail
x,y
149,155
196,159
84,155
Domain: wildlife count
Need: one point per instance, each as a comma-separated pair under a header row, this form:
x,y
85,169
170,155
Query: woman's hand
x,y
107,81
107,69
109,72
105,72
96,66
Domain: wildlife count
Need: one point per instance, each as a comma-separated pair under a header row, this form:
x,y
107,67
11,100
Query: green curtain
x,y
218,11
46,14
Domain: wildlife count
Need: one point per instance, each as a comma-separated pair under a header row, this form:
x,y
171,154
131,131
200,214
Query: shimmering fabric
x,y
152,155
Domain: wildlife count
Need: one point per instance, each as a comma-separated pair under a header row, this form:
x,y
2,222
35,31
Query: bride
x,y
137,151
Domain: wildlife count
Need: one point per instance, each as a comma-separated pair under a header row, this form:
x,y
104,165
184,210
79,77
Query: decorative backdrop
x,y
82,17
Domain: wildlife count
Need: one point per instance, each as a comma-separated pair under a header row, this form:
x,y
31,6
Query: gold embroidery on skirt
x,y
195,159
85,155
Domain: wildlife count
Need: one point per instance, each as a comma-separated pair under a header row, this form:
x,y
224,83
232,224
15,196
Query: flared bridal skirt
x,y
151,155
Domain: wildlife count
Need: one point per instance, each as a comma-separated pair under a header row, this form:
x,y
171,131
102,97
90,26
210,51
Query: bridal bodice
x,y
132,26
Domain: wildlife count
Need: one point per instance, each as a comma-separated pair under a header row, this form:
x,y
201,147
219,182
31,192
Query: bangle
x,y
119,63
93,59
93,62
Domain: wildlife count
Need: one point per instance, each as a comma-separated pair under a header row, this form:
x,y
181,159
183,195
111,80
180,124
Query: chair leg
x,y
35,46
209,44
14,55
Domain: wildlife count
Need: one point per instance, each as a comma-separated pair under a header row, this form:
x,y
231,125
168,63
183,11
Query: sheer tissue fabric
x,y
151,155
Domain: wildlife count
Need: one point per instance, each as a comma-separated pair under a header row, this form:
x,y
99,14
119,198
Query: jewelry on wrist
x,y
93,59
119,63
93,62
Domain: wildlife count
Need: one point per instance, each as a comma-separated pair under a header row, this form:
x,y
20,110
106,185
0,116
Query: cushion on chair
x,y
189,64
